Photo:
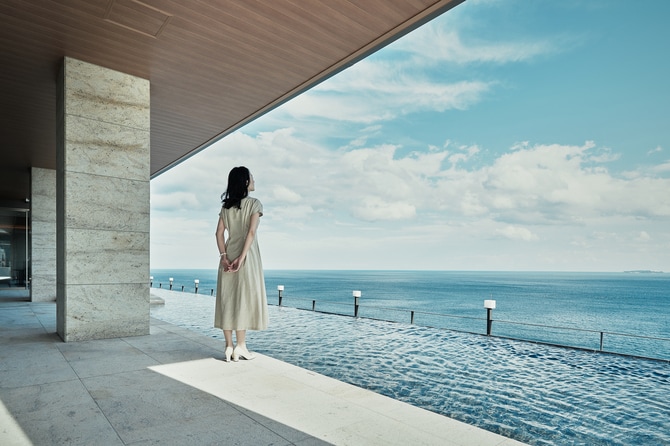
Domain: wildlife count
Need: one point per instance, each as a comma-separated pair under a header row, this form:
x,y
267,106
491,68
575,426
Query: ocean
x,y
534,392
628,312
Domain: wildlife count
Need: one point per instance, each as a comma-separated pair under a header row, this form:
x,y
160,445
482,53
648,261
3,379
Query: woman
x,y
241,302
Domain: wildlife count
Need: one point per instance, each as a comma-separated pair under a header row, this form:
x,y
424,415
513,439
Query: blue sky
x,y
503,135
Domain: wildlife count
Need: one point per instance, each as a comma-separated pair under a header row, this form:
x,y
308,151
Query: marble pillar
x,y
102,203
43,235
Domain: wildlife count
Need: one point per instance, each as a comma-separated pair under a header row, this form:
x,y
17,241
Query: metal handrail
x,y
602,333
413,312
583,329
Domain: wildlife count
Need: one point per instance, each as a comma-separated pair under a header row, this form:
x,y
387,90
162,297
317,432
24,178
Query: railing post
x,y
411,319
313,304
357,295
490,306
280,289
182,288
601,341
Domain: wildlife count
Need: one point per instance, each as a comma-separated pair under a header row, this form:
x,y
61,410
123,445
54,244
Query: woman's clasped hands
x,y
232,267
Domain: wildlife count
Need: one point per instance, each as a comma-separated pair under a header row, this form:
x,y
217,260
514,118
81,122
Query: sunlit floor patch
x,y
323,407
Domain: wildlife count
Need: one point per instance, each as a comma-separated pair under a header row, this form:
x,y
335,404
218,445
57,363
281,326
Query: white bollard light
x,y
357,295
490,305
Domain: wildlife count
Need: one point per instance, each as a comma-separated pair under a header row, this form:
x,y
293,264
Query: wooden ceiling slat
x,y
207,24
137,16
244,64
358,15
77,33
297,25
243,37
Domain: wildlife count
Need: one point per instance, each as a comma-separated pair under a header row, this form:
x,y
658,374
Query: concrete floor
x,y
172,388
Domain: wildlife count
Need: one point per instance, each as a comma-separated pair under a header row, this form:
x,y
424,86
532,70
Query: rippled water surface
x,y
537,394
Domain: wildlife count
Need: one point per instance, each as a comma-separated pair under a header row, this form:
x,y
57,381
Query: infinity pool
x,y
537,394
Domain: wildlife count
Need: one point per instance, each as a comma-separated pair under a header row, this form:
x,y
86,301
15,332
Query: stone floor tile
x,y
56,396
210,430
294,436
144,405
27,336
31,364
83,425
104,357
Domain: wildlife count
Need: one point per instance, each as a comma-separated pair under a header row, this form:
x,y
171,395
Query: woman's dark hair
x,y
238,183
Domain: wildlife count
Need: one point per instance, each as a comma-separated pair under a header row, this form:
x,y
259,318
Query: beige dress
x,y
241,301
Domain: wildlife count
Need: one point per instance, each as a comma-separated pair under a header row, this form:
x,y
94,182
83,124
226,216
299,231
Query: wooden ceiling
x,y
213,65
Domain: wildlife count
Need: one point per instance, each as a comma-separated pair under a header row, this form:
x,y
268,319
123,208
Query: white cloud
x,y
174,200
374,98
436,43
283,194
375,208
662,168
658,149
549,183
643,236
605,156
184,242
369,199
517,233
528,185
466,153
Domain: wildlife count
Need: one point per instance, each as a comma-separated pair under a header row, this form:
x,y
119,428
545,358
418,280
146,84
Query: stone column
x,y
102,203
43,235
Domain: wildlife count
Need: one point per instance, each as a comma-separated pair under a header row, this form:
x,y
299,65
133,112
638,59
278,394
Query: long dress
x,y
241,300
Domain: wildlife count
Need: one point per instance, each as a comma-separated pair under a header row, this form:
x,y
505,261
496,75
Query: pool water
x,y
538,394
